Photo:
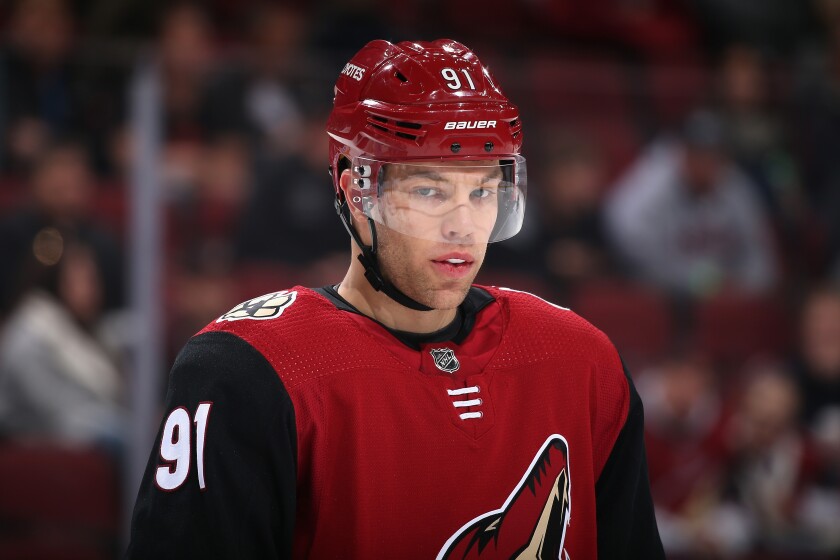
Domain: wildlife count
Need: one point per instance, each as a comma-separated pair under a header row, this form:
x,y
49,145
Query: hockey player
x,y
405,412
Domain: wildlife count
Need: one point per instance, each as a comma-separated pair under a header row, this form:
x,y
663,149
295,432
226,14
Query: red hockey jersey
x,y
298,428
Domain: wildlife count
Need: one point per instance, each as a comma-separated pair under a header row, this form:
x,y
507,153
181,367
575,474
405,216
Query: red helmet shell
x,y
420,100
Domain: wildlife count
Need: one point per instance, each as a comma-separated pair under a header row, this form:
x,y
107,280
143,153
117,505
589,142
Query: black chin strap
x,y
370,263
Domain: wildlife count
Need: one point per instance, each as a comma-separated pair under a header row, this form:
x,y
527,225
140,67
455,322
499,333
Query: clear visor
x,y
468,201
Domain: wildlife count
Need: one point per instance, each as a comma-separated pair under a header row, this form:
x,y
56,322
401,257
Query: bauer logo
x,y
445,359
264,307
469,125
355,72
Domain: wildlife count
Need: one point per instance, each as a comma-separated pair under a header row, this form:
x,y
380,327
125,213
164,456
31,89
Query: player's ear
x,y
359,220
344,183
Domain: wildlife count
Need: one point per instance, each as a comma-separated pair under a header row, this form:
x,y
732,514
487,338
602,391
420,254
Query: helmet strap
x,y
369,261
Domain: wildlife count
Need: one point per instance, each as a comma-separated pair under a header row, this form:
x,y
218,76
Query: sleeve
x,y
221,478
625,515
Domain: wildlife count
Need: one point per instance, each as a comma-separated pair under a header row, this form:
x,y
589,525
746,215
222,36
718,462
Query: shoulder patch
x,y
261,308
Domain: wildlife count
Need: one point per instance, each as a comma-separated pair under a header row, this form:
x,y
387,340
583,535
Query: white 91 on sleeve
x,y
176,447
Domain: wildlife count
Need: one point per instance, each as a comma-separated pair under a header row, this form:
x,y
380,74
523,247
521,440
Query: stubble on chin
x,y
418,283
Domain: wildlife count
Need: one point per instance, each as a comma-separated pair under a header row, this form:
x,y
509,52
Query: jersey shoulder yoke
x,y
547,328
301,333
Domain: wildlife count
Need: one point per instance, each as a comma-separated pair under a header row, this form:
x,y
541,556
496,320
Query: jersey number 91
x,y
176,447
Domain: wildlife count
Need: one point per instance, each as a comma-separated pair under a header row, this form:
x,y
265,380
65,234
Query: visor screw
x,y
455,147
488,147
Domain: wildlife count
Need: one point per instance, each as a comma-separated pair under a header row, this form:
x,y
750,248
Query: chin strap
x,y
370,263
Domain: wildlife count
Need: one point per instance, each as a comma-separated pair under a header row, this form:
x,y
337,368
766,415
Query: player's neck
x,y
360,294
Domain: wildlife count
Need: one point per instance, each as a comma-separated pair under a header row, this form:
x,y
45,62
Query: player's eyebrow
x,y
495,174
425,173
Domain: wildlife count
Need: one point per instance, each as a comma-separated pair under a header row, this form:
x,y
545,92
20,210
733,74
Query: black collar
x,y
456,331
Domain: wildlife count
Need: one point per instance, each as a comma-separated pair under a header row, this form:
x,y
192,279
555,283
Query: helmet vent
x,y
410,126
399,75
376,126
400,129
515,128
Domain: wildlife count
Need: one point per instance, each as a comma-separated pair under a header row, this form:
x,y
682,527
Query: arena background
x,y
162,161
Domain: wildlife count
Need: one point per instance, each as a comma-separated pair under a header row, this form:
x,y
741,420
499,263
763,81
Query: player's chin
x,y
449,295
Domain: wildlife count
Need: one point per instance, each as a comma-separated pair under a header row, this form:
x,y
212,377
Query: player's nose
x,y
458,225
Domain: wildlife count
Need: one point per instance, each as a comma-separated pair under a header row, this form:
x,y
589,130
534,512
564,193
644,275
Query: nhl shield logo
x,y
264,307
445,359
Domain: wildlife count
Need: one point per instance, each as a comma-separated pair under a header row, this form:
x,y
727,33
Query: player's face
x,y
437,223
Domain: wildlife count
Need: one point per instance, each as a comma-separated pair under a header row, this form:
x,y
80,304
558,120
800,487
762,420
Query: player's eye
x,y
483,192
427,192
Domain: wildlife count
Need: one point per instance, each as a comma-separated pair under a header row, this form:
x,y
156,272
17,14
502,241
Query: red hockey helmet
x,y
424,103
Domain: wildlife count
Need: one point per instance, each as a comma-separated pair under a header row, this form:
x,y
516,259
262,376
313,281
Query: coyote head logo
x,y
531,523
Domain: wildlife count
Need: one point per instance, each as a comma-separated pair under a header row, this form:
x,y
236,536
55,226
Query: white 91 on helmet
x,y
451,201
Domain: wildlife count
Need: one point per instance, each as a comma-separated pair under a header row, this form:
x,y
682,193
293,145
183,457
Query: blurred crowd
x,y
684,169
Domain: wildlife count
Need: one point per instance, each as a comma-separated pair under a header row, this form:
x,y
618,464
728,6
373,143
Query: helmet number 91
x,y
453,81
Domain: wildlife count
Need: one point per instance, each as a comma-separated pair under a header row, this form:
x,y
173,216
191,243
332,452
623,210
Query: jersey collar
x,y
456,331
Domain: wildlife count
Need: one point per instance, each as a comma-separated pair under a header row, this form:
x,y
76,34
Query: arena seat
x,y
12,193
731,328
567,85
677,88
637,319
57,503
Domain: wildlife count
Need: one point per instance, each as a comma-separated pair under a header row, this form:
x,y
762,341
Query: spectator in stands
x,y
38,83
817,122
773,462
817,365
684,438
260,97
185,56
685,218
57,381
575,248
208,197
202,286
761,144
756,134
817,372
568,245
61,191
820,506
288,204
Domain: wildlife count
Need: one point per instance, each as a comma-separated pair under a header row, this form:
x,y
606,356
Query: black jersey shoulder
x,y
216,360
626,522
248,455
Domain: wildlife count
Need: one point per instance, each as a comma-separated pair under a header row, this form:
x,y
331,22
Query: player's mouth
x,y
454,265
